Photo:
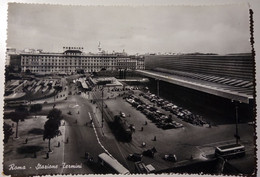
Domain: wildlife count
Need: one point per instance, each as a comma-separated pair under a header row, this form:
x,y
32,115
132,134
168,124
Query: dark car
x,y
140,107
170,157
150,152
141,94
135,157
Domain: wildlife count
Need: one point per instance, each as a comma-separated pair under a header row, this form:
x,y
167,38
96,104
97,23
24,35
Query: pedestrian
x,y
26,140
145,122
58,144
67,140
142,128
86,155
143,144
78,112
47,155
154,138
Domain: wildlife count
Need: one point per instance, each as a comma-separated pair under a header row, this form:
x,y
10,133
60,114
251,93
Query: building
x,y
9,52
15,62
74,59
216,84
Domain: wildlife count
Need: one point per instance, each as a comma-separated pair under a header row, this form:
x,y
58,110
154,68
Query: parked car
x,y
150,152
170,157
140,107
135,157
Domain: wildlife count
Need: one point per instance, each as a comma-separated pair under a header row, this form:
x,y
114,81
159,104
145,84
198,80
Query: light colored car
x,y
170,157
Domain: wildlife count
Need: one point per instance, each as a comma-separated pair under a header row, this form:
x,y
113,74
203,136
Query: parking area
x,y
170,134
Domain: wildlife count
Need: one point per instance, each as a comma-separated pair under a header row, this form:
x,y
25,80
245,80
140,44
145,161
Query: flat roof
x,y
241,94
114,163
230,146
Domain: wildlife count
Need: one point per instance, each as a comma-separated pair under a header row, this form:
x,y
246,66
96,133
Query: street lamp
x,y
102,106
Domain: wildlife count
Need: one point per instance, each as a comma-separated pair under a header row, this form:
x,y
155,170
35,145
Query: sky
x,y
218,29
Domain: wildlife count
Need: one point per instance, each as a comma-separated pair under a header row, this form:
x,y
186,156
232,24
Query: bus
x,y
141,168
111,164
230,151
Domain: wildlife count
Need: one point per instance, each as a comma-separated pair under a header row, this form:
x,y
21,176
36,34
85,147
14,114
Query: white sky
x,y
217,29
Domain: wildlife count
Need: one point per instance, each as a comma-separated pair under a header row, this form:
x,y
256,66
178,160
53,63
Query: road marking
x,y
98,137
63,146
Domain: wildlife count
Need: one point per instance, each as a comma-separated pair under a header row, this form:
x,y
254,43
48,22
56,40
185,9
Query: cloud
x,y
217,29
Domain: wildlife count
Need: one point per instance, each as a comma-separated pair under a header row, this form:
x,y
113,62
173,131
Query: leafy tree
x,y
35,108
17,116
51,126
8,131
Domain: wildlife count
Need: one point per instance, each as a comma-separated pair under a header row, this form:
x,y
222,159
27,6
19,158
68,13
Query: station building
x,y
210,84
74,59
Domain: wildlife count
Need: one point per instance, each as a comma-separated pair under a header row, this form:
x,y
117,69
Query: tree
x,y
7,132
51,126
17,116
35,108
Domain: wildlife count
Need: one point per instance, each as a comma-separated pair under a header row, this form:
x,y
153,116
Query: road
x,y
83,138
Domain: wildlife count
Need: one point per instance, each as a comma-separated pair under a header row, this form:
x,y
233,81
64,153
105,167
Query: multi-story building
x,y
9,53
74,59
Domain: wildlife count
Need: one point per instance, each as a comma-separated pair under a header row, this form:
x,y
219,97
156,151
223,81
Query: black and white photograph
x,y
129,90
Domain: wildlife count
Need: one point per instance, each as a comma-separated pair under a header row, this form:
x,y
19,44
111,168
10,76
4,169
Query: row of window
x,y
39,58
64,69
67,64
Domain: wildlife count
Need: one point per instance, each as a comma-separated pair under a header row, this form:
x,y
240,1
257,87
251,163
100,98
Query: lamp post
x,y
102,114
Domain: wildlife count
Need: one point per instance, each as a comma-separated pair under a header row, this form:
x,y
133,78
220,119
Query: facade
x,y
228,76
235,66
15,61
73,59
9,52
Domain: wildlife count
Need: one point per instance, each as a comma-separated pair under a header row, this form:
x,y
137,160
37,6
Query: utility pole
x,y
102,106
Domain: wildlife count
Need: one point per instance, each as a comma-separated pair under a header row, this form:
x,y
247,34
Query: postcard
x,y
129,90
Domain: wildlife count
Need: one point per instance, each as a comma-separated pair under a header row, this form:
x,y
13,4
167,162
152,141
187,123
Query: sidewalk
x,y
18,153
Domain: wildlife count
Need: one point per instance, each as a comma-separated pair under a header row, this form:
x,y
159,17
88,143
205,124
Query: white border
x,y
254,4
